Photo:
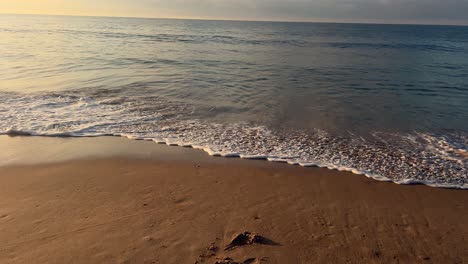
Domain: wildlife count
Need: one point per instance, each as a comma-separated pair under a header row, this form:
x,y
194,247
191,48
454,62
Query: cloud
x,y
392,11
384,10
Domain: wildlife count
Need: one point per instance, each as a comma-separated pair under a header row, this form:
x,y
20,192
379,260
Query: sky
x,y
367,11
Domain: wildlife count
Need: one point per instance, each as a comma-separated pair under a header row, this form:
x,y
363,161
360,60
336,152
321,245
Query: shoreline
x,y
134,202
211,153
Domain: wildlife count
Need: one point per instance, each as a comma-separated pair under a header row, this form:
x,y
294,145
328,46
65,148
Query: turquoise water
x,y
387,101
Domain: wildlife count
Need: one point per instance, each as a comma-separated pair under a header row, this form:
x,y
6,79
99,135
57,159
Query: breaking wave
x,y
404,158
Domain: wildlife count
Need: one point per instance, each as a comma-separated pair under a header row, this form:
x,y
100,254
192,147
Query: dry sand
x,y
177,205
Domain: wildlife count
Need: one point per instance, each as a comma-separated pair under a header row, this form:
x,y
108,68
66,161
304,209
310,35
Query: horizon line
x,y
242,20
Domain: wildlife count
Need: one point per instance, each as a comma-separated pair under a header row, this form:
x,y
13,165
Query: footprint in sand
x,y
247,261
240,240
183,201
248,238
208,253
3,216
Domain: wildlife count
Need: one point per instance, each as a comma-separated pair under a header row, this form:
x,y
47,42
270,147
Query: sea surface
x,y
386,101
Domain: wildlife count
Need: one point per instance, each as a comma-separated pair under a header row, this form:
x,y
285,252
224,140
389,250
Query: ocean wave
x,y
291,161
411,158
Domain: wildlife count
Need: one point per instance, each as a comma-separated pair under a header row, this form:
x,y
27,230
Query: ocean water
x,y
386,101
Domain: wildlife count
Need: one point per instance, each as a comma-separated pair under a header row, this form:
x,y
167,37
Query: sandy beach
x,y
113,200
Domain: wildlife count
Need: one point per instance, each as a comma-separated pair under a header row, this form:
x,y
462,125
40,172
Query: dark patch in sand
x,y
181,200
248,238
377,253
250,261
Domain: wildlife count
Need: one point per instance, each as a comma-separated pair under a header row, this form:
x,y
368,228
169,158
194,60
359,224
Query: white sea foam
x,y
418,158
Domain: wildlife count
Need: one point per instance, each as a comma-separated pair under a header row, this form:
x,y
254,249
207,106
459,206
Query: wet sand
x,y
112,200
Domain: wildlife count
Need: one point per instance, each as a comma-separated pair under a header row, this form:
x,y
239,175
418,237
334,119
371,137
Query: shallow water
x,y
388,101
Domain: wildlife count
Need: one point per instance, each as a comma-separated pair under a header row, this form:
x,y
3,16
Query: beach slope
x,y
182,206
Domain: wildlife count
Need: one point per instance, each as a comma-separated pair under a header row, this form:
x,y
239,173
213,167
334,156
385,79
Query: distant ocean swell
x,y
404,158
293,41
